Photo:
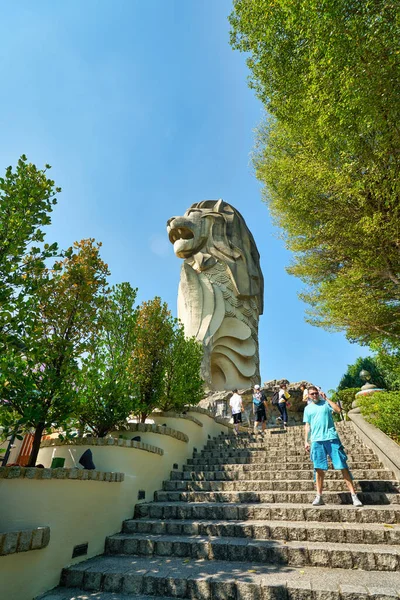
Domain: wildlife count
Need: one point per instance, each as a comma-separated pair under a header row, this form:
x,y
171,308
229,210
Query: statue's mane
x,y
232,243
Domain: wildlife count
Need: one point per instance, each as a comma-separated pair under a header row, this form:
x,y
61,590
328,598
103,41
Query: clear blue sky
x,y
142,108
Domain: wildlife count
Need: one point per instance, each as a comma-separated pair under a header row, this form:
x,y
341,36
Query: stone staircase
x,y
237,524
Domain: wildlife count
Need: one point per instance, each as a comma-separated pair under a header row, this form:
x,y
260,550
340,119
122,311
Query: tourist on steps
x,y
304,391
236,404
283,398
259,408
320,429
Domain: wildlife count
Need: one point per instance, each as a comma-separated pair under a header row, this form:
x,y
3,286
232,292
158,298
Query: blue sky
x,y
142,108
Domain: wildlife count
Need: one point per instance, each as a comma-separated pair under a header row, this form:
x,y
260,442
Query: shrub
x,y
382,409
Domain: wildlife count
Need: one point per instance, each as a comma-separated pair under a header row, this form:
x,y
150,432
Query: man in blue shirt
x,y
320,428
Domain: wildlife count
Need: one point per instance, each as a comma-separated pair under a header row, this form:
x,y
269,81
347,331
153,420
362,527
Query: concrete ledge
x,y
24,540
386,449
209,413
92,441
60,473
174,415
153,428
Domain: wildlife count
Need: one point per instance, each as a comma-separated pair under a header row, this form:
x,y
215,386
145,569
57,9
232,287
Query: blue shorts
x,y
332,448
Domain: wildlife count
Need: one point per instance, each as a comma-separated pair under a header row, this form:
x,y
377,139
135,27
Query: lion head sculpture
x,y
221,290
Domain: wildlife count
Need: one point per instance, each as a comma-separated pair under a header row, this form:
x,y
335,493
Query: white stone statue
x,y
221,291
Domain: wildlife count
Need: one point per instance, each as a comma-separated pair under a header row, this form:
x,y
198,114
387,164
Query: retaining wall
x,y
83,506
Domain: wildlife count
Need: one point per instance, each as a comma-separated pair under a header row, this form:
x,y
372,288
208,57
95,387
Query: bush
x,y
345,397
382,409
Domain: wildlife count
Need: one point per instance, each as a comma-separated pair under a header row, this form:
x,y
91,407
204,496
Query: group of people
x,y
260,404
320,436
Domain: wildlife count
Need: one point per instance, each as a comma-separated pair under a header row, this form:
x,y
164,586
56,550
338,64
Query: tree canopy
x,y
27,197
74,352
57,323
165,365
105,385
182,384
328,74
387,360
352,379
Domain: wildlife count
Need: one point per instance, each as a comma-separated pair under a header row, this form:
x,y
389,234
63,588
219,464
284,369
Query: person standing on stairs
x,y
319,428
259,408
304,391
283,397
236,404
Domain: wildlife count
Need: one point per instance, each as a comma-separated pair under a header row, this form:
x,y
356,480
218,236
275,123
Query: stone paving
x,y
237,524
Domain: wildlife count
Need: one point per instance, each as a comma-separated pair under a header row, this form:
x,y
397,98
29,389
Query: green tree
x,y
106,388
387,360
27,197
38,379
352,379
346,397
183,384
328,75
154,334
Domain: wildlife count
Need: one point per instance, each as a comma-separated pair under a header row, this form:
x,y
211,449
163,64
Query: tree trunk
x,y
143,418
8,451
36,444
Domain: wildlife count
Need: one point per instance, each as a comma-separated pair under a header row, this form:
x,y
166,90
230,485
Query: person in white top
x,y
236,404
304,389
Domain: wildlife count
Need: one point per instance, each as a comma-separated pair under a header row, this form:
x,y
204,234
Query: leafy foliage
x,y
328,152
164,366
56,325
70,348
27,198
105,384
346,397
352,379
154,334
382,409
387,360
183,384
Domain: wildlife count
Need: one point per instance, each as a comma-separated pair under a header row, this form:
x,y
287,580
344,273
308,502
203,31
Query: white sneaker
x,y
356,500
318,501
279,419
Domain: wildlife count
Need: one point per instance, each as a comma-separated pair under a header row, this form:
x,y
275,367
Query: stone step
x,y
264,458
273,451
340,513
276,497
375,474
278,434
351,533
274,466
297,485
63,593
290,436
263,441
296,554
267,449
221,580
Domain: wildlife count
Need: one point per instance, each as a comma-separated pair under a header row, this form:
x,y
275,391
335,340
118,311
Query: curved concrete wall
x,y
80,511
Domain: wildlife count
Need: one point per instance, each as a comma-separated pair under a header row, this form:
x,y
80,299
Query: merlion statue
x,y
221,291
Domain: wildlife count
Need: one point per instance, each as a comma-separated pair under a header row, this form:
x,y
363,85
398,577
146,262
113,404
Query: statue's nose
x,y
170,221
